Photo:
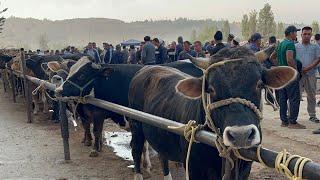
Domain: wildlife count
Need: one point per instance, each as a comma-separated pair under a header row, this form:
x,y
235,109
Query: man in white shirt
x,y
309,55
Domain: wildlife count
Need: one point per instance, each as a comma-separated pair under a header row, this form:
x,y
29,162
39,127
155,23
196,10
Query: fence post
x,y
13,88
28,93
64,129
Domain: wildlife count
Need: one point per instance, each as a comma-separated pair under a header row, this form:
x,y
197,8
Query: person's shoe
x,y
296,126
316,131
314,119
284,124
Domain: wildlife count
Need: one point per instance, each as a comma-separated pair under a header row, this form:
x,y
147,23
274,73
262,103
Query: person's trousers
x,y
290,93
309,84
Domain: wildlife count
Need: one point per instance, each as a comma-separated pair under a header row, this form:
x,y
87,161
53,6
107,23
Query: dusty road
x,y
34,151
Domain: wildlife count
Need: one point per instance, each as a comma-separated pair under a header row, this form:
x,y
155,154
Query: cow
x,y
172,94
110,83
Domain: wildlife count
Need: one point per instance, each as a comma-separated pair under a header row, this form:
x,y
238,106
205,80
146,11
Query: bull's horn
x,y
265,54
202,63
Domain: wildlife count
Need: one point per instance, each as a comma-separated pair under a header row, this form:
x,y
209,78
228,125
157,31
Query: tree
x,y
252,23
266,25
2,19
226,29
280,30
43,42
207,33
245,27
193,37
315,27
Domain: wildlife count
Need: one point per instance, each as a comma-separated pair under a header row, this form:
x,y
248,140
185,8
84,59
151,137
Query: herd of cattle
x,y
172,91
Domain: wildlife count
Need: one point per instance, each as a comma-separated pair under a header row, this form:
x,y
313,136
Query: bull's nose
x,y
241,136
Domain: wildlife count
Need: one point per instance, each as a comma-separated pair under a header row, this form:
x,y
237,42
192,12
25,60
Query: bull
x,y
172,94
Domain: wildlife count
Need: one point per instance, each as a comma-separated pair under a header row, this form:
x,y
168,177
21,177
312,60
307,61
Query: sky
x,y
288,11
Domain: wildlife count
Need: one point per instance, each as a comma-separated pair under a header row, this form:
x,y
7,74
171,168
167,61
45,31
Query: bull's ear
x,y
54,66
190,88
107,71
279,77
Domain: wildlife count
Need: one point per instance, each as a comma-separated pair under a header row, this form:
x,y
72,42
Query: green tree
x,y
252,23
193,37
266,25
2,19
225,29
315,27
207,33
280,30
245,27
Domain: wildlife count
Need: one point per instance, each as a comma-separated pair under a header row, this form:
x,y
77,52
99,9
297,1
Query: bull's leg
x,y
36,105
137,143
146,158
97,131
87,139
165,168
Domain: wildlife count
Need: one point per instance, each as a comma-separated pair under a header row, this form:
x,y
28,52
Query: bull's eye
x,y
211,91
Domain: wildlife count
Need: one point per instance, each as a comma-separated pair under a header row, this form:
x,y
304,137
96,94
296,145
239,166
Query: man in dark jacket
x,y
161,52
219,45
118,56
148,53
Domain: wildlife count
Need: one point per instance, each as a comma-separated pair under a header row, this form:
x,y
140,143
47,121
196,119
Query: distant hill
x,y
21,32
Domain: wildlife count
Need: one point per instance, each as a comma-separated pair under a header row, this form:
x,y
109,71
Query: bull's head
x,y
80,79
243,77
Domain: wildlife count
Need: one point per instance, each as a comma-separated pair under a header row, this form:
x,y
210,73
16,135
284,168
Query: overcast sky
x,y
131,10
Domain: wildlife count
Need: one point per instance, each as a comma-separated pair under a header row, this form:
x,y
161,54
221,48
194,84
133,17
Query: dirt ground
x,y
35,151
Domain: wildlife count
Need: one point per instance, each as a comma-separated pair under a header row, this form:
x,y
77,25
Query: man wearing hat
x,y
286,56
219,45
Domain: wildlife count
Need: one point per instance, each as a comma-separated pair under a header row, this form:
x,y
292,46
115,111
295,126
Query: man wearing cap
x,y
255,42
286,56
309,55
186,50
219,45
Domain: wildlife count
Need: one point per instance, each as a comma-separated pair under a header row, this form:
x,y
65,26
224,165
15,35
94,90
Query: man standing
x,y
255,42
132,55
309,55
172,52
186,50
93,53
118,56
317,38
161,52
125,53
179,47
198,49
286,56
148,53
219,45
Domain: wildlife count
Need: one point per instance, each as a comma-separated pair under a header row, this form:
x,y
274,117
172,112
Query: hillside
x,y
21,32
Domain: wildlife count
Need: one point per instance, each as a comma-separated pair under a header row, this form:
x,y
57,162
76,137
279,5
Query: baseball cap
x,y
255,37
291,28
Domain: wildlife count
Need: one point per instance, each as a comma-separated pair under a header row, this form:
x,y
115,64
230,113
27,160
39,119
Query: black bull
x,y
111,83
174,95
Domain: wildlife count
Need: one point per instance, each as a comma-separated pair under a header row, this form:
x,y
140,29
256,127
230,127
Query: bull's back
x,y
153,91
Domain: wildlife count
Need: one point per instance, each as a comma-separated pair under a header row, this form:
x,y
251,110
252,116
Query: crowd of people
x,y
303,56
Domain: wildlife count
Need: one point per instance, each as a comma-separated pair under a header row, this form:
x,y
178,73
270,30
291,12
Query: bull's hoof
x,y
94,153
